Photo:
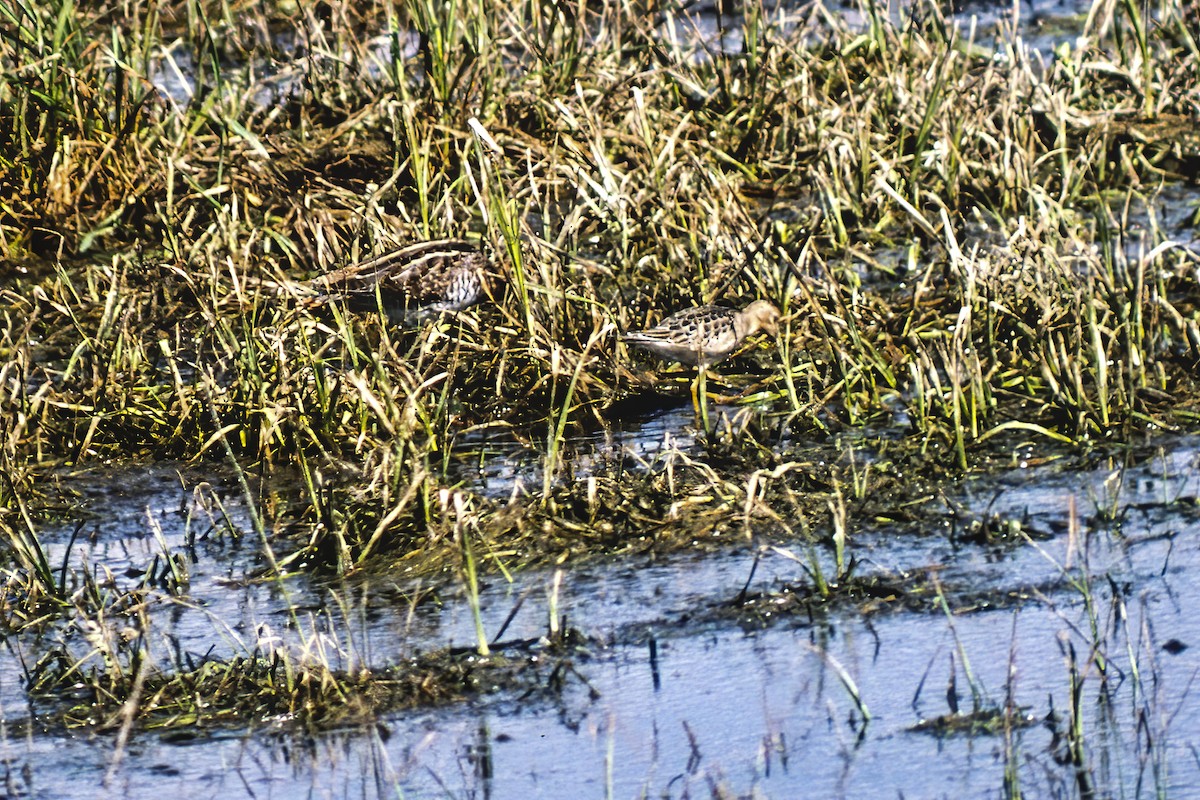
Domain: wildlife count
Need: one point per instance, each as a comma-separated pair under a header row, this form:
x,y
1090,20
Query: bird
x,y
409,283
705,335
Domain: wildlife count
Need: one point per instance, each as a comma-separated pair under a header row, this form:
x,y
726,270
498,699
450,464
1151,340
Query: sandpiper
x,y
412,282
705,335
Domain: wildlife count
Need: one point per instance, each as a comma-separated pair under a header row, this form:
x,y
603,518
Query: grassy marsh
x,y
947,224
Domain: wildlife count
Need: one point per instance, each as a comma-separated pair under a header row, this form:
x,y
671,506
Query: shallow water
x,y
674,698
1042,25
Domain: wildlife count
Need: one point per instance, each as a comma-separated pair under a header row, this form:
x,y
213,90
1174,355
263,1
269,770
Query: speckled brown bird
x,y
412,282
705,335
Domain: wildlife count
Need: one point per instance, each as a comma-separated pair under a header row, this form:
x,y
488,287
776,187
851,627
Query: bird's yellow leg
x,y
700,397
